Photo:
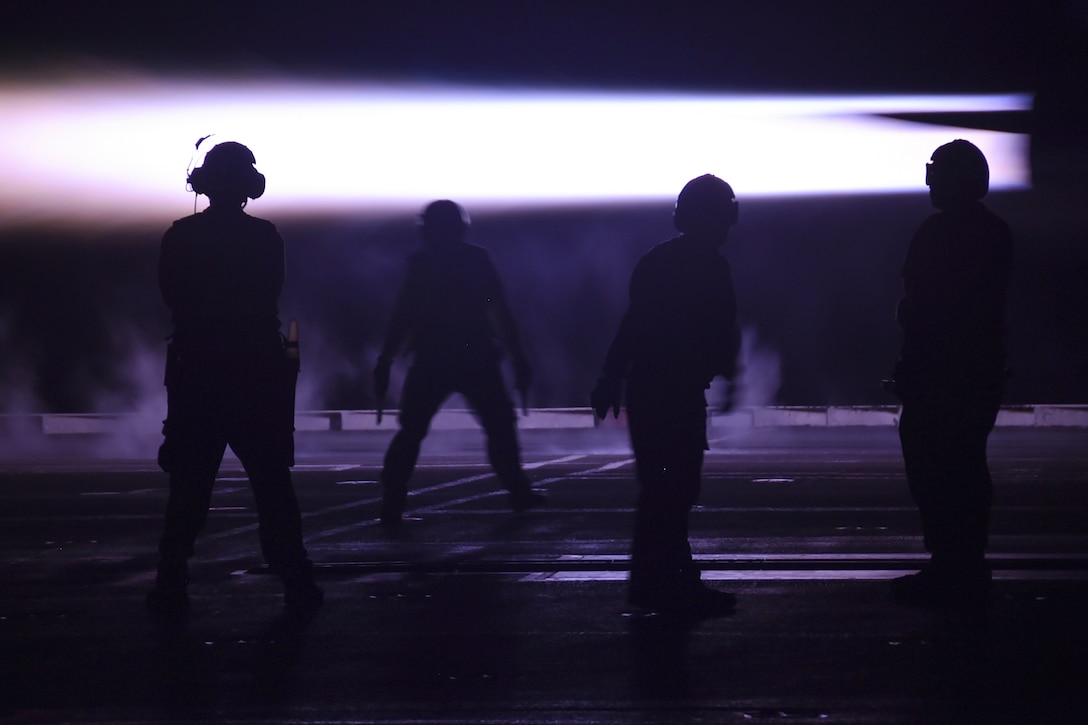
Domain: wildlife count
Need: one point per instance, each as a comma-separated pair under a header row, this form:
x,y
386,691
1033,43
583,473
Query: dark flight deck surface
x,y
472,614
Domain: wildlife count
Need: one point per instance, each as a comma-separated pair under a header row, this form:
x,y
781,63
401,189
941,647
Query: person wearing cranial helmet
x,y
452,315
950,375
230,379
679,332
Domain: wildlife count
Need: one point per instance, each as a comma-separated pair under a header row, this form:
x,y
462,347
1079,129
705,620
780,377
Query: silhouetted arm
x,y
171,276
607,392
622,350
506,329
632,326
617,361
397,333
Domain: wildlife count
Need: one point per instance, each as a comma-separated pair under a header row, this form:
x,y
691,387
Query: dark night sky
x,y
831,345
923,45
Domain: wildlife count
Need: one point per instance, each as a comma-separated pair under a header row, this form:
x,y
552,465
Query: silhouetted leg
x,y
187,508
261,433
966,503
424,391
669,445
486,393
979,486
944,453
661,553
921,442
279,520
192,478
280,528
190,487
649,573
683,491
194,440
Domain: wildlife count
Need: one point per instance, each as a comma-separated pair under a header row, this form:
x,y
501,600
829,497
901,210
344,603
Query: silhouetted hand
x,y
381,376
604,396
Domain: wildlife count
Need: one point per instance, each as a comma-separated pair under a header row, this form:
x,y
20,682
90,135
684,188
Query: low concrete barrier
x,y
1030,416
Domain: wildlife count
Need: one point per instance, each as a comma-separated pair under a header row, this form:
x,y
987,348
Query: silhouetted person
x,y
229,379
678,333
950,375
451,313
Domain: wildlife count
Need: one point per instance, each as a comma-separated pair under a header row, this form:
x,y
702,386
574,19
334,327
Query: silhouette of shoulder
x,y
461,268
222,266
206,222
957,243
681,268
681,323
974,220
462,252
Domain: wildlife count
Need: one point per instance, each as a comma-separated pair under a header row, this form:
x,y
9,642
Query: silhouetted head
x,y
706,207
228,174
443,222
957,174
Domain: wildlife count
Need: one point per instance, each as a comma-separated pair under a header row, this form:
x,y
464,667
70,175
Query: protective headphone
x,y
228,167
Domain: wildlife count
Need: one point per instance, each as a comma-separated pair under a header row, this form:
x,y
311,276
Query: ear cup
x,y
228,168
197,180
255,184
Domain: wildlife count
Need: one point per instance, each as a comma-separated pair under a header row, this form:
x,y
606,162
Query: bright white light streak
x,y
118,152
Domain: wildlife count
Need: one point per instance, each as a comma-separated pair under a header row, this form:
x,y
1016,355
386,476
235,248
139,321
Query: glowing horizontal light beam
x,y
118,151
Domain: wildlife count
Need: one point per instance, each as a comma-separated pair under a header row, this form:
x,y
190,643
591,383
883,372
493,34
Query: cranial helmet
x,y
444,220
958,170
228,169
705,204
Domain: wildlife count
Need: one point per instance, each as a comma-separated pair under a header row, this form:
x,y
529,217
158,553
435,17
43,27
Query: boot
x,y
526,499
169,598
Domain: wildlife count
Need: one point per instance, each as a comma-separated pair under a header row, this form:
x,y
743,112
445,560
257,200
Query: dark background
x,y
81,324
